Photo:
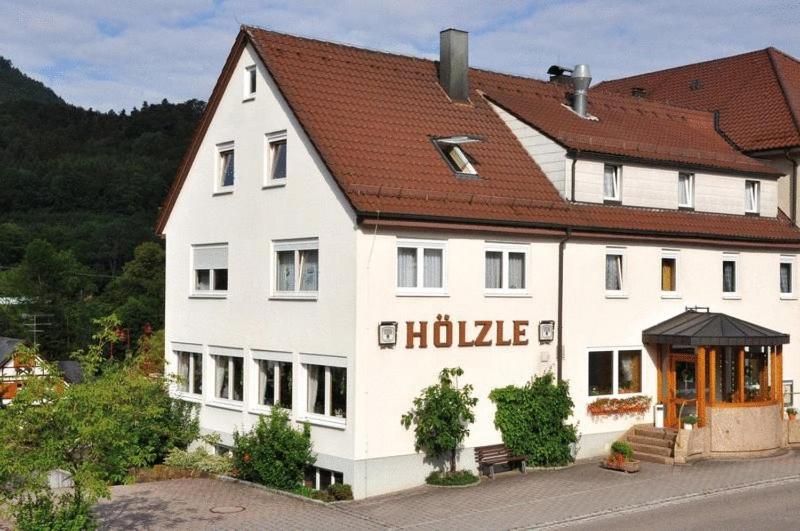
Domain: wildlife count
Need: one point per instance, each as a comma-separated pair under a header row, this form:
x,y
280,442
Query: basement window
x,y
453,152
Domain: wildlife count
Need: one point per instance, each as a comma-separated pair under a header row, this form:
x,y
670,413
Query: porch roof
x,y
698,328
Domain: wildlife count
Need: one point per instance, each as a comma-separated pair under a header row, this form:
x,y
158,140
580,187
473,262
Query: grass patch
x,y
446,479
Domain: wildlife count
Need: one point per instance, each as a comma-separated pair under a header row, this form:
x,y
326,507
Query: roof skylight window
x,y
459,161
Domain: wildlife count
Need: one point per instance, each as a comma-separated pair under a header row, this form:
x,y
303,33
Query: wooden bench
x,y
497,454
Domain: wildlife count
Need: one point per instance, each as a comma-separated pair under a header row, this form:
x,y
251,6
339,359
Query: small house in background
x,y
14,371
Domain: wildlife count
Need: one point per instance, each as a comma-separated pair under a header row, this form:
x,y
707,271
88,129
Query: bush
x,y
199,459
273,453
622,448
533,420
462,477
341,491
54,513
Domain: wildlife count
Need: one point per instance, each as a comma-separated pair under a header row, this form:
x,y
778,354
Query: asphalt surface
x,y
774,507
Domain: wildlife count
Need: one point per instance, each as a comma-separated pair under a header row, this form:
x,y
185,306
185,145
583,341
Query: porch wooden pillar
x,y
779,376
773,372
700,383
740,377
660,374
712,376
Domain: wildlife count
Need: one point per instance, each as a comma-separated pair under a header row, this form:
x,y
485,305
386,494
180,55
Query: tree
x,y
441,416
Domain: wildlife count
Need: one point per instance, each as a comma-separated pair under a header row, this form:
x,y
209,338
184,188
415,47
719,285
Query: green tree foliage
x,y
14,86
533,420
273,453
137,295
95,431
441,416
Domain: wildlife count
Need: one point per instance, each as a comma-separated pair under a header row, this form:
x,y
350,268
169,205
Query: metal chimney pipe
x,y
454,63
581,79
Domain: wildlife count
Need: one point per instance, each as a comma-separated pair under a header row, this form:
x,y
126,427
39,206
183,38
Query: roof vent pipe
x,y
454,63
581,79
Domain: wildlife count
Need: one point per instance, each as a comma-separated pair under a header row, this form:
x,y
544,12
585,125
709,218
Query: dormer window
x,y
685,190
611,183
751,197
454,154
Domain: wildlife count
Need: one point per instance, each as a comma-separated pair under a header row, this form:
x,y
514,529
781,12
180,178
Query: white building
x,y
331,189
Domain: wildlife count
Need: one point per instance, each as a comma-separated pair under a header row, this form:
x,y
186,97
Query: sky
x,y
111,54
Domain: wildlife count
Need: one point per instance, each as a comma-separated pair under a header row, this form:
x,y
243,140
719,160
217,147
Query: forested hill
x,y
79,191
14,85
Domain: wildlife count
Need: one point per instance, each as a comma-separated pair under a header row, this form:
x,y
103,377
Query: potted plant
x,y
791,412
621,458
689,421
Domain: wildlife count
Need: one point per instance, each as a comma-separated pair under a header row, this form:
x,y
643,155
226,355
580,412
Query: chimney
x,y
454,63
638,92
581,79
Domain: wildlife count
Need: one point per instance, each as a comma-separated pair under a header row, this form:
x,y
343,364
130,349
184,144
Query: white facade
x,y
336,324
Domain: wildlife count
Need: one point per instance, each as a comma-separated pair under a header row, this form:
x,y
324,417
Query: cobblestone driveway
x,y
541,498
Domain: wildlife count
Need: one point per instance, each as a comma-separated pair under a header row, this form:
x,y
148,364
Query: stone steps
x,y
655,445
639,449
650,441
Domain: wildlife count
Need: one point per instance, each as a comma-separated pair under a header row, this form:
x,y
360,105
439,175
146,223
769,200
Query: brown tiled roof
x,y
371,116
757,95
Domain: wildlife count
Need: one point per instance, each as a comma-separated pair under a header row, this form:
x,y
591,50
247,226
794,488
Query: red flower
x,y
246,458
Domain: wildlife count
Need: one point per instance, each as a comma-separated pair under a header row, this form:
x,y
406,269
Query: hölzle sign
x,y
444,333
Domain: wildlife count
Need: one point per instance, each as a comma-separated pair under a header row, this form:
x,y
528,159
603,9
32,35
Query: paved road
x,y
776,507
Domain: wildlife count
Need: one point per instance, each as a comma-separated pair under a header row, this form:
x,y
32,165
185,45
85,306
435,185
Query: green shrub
x,y
533,420
462,477
622,448
322,495
341,491
273,453
199,459
54,513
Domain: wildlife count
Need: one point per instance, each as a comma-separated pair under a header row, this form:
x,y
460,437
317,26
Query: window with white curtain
x,y
190,372
611,182
752,192
615,271
505,268
786,276
686,190
274,383
421,267
326,390
210,267
228,377
226,168
296,271
730,274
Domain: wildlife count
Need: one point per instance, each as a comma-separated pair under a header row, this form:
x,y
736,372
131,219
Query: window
x,y
321,478
226,168
250,77
611,182
296,269
786,279
614,272
730,274
326,391
751,196
757,375
210,265
421,267
505,268
190,372
605,380
669,274
276,159
228,377
274,383
686,190
458,160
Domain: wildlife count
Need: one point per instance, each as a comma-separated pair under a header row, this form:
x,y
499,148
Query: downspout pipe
x,y
792,188
562,244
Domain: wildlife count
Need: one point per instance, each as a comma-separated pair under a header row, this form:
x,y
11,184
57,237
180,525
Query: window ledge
x,y
616,295
788,297
325,421
670,295
731,296
507,294
288,296
223,191
234,405
421,293
208,296
274,183
188,397
249,98
265,409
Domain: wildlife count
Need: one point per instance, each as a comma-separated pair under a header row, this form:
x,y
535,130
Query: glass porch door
x,y
682,391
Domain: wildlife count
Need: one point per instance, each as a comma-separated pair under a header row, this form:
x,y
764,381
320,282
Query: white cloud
x,y
113,54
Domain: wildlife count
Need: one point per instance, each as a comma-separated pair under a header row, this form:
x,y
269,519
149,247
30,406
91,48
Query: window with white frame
x,y
190,372
458,160
615,372
505,268
612,182
730,274
685,190
226,167
752,197
321,478
421,267
274,371
614,271
228,377
326,390
276,159
296,268
669,273
250,81
786,279
210,267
